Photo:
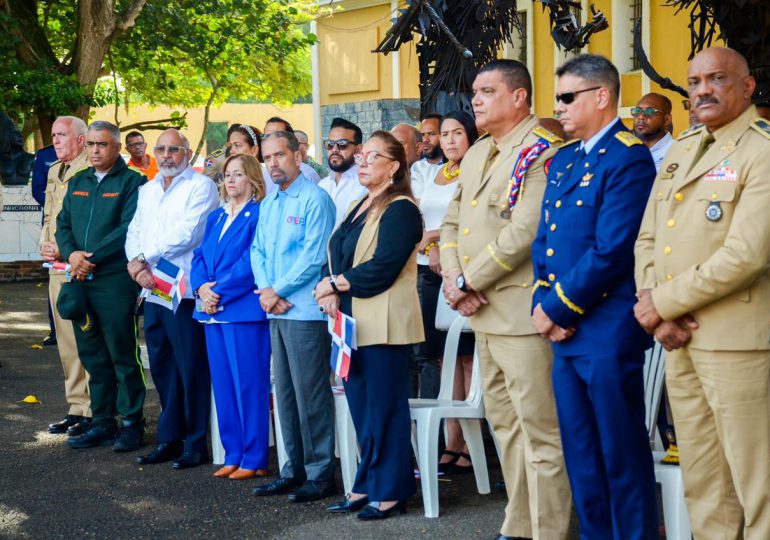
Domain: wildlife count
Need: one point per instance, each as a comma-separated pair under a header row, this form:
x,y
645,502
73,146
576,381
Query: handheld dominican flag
x,y
169,285
343,332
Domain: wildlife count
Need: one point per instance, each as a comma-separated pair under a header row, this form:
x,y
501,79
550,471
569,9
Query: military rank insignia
x,y
627,138
585,181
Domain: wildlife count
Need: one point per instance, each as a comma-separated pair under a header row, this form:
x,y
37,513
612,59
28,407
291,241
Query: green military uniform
x,y
94,218
317,167
490,241
703,249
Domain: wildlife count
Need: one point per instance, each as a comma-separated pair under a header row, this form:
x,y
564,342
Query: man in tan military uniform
x,y
485,253
69,137
702,270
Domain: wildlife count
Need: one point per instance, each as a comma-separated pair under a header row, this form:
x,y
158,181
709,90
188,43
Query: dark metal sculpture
x,y
743,24
457,37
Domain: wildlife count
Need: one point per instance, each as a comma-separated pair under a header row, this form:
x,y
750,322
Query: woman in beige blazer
x,y
373,277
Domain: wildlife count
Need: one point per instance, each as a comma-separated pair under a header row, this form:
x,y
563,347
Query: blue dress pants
x,y
239,360
377,390
600,405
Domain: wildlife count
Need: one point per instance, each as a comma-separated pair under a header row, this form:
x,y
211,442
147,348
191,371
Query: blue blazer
x,y
228,262
583,255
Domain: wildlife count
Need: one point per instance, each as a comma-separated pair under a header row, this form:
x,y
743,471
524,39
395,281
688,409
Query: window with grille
x,y
636,13
521,44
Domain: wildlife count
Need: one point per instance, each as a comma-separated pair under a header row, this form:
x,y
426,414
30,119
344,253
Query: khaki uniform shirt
x,y
704,244
56,189
487,241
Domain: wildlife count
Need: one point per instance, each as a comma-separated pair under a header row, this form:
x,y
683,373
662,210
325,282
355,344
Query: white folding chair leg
x,y
472,434
217,450
675,515
427,457
346,442
279,447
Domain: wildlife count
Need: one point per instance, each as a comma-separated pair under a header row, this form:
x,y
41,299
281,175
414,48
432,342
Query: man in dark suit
x,y
583,302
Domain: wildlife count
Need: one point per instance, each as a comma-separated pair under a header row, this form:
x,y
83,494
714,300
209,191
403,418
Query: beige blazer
x,y
704,243
394,316
491,245
55,190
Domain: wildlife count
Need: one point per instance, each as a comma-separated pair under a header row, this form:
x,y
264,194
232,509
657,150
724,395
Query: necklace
x,y
449,175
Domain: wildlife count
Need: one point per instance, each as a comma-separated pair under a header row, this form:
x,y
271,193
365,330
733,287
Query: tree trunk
x,y
205,122
45,123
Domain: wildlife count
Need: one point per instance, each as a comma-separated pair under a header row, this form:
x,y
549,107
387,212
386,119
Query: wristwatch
x,y
141,258
333,283
460,283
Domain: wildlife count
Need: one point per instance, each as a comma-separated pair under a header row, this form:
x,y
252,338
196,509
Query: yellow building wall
x,y
299,116
543,69
410,71
601,43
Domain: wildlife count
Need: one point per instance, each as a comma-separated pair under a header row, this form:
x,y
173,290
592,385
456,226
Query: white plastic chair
x,y
669,477
347,444
428,413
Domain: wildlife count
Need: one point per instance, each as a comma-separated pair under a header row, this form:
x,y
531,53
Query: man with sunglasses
x,y
342,185
652,124
169,223
141,160
583,303
90,235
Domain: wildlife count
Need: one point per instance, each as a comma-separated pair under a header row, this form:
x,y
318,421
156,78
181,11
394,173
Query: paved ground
x,y
50,491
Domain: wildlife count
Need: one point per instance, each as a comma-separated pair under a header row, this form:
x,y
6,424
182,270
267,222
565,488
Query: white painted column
x,y
317,126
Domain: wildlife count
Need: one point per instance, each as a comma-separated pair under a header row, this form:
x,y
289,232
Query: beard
x,y
344,165
433,154
169,169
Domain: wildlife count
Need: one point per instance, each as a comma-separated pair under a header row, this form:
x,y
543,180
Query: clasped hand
x,y
670,334
271,302
549,329
465,303
80,267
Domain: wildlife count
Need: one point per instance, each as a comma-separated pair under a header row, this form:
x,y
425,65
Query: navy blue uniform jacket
x,y
583,255
228,262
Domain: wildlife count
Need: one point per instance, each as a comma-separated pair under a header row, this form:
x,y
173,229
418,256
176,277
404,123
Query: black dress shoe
x,y
371,513
277,487
81,427
60,428
312,490
131,436
50,339
500,486
97,435
503,537
188,460
346,505
162,453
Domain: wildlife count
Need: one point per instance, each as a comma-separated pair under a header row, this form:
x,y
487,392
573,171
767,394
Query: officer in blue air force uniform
x,y
583,300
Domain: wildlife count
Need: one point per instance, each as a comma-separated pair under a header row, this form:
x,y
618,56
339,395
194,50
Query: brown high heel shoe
x,y
226,471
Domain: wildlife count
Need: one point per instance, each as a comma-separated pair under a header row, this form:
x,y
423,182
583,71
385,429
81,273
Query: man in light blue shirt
x,y
287,257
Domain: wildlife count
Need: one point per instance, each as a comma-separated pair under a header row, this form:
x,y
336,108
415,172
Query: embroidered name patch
x,y
295,220
721,174
80,193
110,194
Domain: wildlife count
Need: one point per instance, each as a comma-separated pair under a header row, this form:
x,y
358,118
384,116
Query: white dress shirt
x,y
170,223
309,173
344,192
422,171
659,149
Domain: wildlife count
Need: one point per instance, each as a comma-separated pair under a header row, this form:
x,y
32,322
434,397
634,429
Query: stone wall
x,y
371,115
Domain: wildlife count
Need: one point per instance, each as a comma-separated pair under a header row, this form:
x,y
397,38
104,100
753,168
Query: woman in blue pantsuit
x,y
237,332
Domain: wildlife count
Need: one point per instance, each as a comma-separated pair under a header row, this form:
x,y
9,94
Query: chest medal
x,y
714,212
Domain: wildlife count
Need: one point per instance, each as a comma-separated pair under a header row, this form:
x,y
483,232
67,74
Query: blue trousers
x,y
239,360
600,405
377,390
177,350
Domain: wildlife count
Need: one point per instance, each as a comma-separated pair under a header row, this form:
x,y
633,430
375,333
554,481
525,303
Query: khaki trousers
x,y
720,404
75,375
519,402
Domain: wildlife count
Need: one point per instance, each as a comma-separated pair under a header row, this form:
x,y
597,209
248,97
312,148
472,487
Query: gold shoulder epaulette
x,y
627,138
762,126
690,131
543,133
571,141
483,137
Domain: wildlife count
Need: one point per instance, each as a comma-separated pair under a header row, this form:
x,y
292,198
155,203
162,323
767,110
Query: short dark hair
x,y
432,116
278,120
595,69
358,137
468,123
133,134
291,139
514,73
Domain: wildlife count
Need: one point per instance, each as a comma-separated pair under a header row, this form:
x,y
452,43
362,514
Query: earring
x,y
391,180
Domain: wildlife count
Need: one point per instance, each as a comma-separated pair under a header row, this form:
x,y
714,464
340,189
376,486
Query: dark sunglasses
x,y
569,97
647,111
341,144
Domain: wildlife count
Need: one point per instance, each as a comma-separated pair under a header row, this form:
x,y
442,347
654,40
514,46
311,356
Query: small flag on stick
x,y
343,332
169,285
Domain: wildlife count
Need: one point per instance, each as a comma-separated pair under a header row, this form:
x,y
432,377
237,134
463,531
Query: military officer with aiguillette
x,y
485,252
583,303
702,267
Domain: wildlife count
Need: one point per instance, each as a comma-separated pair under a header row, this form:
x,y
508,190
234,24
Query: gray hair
x,y
291,139
101,125
77,125
594,69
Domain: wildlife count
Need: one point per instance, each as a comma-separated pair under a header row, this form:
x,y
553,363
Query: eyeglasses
x,y
100,144
569,97
341,144
136,144
173,150
369,157
647,111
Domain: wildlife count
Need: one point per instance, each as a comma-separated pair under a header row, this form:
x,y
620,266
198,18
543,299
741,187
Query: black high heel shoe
x,y
346,505
371,513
